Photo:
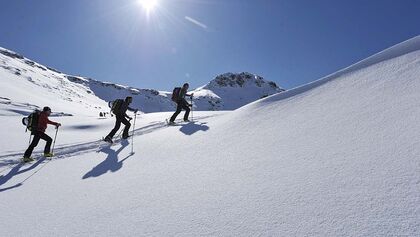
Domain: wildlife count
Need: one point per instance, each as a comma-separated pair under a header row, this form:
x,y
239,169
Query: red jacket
x,y
43,122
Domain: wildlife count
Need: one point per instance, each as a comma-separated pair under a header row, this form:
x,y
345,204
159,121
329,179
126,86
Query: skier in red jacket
x,y
39,133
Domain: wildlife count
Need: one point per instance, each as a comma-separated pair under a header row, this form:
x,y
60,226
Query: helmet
x,y
47,109
186,85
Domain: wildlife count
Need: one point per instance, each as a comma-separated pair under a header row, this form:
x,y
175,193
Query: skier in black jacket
x,y
120,108
182,104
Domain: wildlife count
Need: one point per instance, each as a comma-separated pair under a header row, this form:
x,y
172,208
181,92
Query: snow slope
x,y
338,157
71,95
26,85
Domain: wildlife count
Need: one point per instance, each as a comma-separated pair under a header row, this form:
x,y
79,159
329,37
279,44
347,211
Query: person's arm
x,y
132,110
191,96
53,123
183,94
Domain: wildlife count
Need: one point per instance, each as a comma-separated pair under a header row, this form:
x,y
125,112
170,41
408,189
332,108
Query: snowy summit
x,y
230,91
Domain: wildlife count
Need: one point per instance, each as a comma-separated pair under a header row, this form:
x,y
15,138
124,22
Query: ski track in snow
x,y
71,150
11,166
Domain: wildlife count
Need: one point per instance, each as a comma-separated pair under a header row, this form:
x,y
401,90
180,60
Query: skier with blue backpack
x,y
119,109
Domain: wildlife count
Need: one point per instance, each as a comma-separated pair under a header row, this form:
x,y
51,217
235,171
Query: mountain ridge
x,y
77,88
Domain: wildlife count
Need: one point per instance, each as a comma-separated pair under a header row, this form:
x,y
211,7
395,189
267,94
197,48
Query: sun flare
x,y
148,5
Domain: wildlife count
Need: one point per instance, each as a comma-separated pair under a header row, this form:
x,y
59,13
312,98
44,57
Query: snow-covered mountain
x,y
21,76
336,157
25,85
230,91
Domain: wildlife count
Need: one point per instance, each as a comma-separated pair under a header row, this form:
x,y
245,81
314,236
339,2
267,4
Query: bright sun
x,y
148,5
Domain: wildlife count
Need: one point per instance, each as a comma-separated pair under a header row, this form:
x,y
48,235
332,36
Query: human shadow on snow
x,y
111,163
192,127
16,170
83,127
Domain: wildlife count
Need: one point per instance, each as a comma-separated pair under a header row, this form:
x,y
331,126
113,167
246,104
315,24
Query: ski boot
x,y
48,155
108,139
27,159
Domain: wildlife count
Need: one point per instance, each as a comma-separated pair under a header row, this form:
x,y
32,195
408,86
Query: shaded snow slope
x,y
338,158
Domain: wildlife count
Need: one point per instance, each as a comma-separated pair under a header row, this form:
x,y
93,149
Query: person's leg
x,y
116,127
49,141
187,111
178,110
127,127
32,146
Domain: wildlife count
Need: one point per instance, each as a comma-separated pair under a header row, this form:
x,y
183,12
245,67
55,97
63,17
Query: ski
x,y
36,159
109,141
169,123
22,161
112,142
179,123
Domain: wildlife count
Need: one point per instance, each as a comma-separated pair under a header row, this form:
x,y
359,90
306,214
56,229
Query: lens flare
x,y
148,5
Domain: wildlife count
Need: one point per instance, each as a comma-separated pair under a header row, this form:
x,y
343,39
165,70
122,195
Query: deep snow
x,y
338,157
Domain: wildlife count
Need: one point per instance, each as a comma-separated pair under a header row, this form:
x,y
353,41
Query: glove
x,y
190,105
130,118
58,125
135,111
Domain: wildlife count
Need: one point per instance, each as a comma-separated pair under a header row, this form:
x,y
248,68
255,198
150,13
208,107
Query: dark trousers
x,y
123,120
181,105
35,141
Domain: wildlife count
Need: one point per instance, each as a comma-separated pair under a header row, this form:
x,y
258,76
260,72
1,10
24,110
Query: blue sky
x,y
291,42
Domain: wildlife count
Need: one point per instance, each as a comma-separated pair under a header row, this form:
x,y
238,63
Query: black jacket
x,y
122,111
182,94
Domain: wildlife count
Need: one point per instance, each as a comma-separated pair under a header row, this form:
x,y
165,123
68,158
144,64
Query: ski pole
x,y
132,136
55,138
192,109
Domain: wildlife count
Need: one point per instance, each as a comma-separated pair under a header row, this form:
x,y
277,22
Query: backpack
x,y
175,94
31,122
115,105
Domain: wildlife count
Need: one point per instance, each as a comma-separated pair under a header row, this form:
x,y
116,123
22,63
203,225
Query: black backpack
x,y
31,122
175,94
115,105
